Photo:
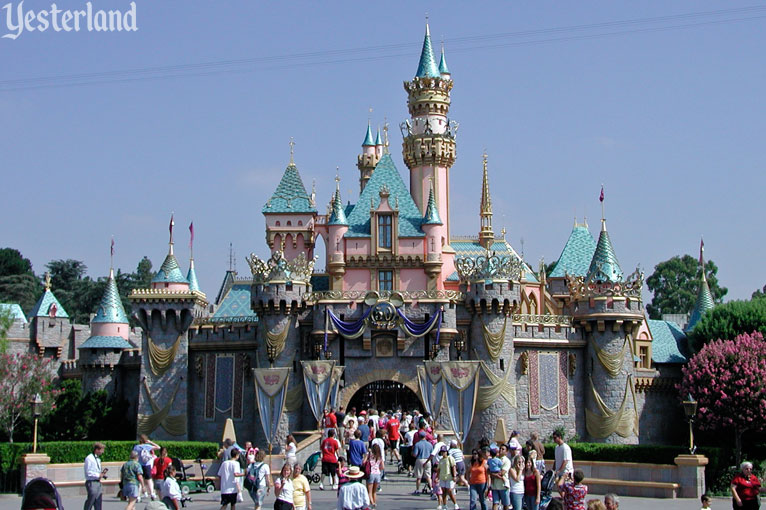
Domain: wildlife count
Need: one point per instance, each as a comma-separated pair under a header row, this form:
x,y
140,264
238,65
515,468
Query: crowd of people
x,y
355,451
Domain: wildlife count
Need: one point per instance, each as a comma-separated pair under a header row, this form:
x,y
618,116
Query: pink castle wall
x,y
411,246
357,246
412,279
356,279
110,329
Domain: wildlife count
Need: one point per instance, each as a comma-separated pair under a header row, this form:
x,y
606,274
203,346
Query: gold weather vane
x,y
47,281
385,135
292,150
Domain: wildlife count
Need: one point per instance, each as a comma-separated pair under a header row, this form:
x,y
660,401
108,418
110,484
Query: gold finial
x,y
292,150
385,135
369,117
337,178
47,281
503,232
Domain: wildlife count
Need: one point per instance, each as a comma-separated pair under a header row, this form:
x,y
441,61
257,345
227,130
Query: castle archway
x,y
382,390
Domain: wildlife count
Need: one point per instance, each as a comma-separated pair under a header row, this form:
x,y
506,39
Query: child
x,y
705,502
446,472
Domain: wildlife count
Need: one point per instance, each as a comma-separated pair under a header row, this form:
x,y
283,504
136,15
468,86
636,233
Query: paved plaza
x,y
395,495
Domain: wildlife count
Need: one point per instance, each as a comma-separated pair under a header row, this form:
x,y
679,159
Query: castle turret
x,y
165,312
369,157
48,321
704,296
486,234
433,227
429,136
378,145
443,70
337,227
191,275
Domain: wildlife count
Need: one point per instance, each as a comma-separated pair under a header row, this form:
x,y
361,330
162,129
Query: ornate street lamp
x,y
690,409
37,404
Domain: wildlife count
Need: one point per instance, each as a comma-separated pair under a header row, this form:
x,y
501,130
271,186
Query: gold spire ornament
x,y
486,234
292,150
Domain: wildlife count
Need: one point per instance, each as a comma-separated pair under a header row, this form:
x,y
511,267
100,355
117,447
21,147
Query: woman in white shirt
x,y
171,493
283,489
516,476
291,450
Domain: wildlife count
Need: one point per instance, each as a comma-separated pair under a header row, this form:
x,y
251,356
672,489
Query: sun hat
x,y
354,472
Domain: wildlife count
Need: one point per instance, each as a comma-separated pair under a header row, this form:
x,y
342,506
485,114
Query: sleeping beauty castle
x,y
407,315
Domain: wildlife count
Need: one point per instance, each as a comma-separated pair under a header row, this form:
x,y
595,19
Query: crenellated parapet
x,y
597,285
429,149
428,96
489,268
278,269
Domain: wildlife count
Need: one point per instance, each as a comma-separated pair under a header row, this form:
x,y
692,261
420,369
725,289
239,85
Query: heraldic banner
x,y
317,378
461,387
337,373
431,389
270,395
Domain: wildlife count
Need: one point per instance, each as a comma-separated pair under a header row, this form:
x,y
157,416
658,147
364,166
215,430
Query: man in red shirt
x,y
392,426
330,447
329,422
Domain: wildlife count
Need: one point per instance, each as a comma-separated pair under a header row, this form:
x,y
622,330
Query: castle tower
x,y
608,309
704,296
433,227
429,136
101,352
165,312
191,275
486,234
368,159
337,227
48,321
290,215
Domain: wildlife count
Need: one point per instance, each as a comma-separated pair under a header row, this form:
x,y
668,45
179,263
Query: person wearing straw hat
x,y
353,494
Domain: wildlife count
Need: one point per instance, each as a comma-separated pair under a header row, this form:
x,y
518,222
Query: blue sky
x,y
662,102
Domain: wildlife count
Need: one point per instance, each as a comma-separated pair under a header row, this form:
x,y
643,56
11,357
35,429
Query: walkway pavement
x,y
395,496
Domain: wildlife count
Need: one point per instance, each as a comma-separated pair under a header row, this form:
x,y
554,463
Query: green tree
x,y
22,289
22,376
759,293
142,278
12,262
729,320
6,321
675,284
77,293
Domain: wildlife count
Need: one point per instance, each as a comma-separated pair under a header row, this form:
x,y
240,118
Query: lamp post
x,y
36,412
690,409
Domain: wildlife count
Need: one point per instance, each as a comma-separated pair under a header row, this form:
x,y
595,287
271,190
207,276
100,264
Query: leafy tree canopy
x,y
23,289
729,320
759,293
675,284
22,376
13,263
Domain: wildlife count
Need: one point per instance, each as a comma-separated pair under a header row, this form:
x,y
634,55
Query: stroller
x,y
547,484
312,469
41,493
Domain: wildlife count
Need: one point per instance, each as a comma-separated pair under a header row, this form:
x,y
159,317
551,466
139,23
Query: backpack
x,y
254,478
144,455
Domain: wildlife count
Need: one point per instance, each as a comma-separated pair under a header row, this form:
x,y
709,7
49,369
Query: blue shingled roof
x,y
577,253
431,217
17,314
472,248
105,342
385,173
427,65
191,277
669,344
704,303
235,302
290,195
604,265
368,137
443,69
338,214
169,272
43,306
110,309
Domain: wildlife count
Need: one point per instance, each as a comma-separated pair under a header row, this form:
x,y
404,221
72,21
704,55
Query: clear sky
x,y
104,134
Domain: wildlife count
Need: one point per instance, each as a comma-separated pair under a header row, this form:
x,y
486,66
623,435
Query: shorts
x,y
447,484
374,478
460,467
258,496
393,444
130,490
422,468
229,499
329,468
147,472
501,496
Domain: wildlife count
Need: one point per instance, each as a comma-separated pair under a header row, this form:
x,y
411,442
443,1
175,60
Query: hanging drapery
x,y
418,330
461,386
494,341
317,378
275,342
337,373
270,396
623,422
173,425
349,330
613,362
431,388
160,359
294,398
499,387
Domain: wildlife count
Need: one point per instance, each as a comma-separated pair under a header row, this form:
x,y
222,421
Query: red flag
x,y
601,197
191,231
171,225
112,249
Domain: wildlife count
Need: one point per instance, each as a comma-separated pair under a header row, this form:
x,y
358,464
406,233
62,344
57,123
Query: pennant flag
x,y
270,396
601,197
170,228
111,251
460,380
191,231
702,249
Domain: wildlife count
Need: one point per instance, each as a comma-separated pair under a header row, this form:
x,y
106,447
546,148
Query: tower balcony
x,y
429,150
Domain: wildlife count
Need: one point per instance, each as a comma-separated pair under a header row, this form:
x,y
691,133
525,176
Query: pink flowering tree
x,y
728,380
22,376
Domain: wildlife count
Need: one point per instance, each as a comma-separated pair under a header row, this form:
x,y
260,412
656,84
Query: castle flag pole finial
x,y
47,281
292,150
702,258
337,178
601,199
385,135
170,228
111,259
191,241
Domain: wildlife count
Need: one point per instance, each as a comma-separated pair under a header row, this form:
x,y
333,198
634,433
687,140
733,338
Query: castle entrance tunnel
x,y
385,396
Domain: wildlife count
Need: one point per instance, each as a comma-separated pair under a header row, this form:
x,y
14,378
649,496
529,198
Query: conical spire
x,y
378,139
704,296
443,69
368,142
337,215
170,272
431,216
191,277
427,65
604,265
110,310
486,234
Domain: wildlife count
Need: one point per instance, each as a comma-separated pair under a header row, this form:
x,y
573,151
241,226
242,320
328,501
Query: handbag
x,y
366,469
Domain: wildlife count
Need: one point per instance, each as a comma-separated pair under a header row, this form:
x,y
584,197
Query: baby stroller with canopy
x,y
547,484
41,493
312,469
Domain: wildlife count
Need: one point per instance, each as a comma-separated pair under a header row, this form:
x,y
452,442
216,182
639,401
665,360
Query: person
x,y
612,502
330,448
539,447
498,474
291,450
436,454
329,421
704,499
228,473
340,417
596,504
131,475
393,427
259,474
93,475
357,449
250,452
457,454
364,429
407,459
161,463
745,488
514,446
447,472
283,488
375,460
353,495
477,479
563,455
170,492
516,478
422,453
381,444
350,426
573,491
301,489
145,449
342,470
538,463
532,481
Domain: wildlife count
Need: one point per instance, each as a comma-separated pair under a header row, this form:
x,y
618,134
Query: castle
x,y
572,348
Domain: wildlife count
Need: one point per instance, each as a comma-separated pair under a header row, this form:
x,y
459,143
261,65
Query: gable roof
x,y
290,195
669,344
43,306
577,254
235,302
110,310
472,248
385,173
17,314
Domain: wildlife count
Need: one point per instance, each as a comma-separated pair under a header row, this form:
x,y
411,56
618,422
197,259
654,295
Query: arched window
x,y
277,224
